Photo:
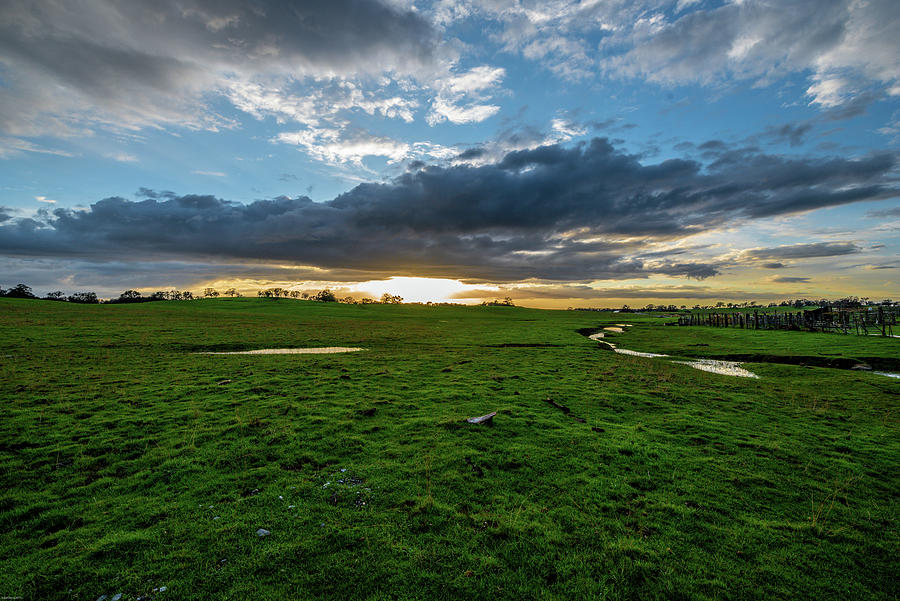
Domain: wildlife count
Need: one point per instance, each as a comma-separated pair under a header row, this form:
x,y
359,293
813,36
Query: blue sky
x,y
562,153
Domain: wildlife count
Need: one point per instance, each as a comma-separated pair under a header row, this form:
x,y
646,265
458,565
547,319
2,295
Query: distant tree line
x,y
850,302
134,296
328,296
91,298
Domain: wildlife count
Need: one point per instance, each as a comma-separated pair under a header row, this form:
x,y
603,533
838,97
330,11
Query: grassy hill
x,y
130,462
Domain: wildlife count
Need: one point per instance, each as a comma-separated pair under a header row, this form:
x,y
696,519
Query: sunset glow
x,y
416,290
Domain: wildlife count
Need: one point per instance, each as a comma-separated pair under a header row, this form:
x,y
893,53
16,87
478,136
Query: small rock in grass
x,y
117,596
101,598
215,517
163,589
262,532
483,419
223,382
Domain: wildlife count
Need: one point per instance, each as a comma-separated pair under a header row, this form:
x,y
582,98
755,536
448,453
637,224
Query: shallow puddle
x,y
890,375
726,368
614,329
324,350
597,336
625,351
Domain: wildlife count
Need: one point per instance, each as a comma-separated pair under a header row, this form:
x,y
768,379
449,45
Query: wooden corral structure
x,y
863,321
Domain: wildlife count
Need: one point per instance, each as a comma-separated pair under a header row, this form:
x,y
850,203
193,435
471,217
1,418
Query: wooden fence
x,y
864,322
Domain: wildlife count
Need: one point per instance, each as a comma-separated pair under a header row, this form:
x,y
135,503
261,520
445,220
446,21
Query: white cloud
x,y
829,92
45,199
459,98
846,45
336,146
259,101
122,157
349,146
566,129
209,173
475,80
447,110
11,147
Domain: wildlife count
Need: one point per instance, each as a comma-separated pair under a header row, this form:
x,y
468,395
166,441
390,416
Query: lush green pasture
x,y
129,465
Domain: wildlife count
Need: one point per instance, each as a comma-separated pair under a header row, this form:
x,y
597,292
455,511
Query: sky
x,y
561,153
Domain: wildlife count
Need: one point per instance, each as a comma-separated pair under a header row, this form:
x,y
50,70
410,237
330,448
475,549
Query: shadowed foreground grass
x,y
130,463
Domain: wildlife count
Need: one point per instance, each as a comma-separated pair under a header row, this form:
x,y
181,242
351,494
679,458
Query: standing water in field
x,y
324,350
625,351
727,368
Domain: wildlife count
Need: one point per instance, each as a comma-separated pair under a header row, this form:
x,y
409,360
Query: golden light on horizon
x,y
416,289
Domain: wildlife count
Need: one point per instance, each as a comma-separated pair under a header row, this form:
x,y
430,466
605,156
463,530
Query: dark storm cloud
x,y
772,265
804,251
892,212
715,146
471,153
699,271
852,108
506,221
140,63
794,134
789,280
615,124
582,292
109,278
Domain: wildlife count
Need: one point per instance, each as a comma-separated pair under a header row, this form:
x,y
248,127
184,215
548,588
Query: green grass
x,y
127,467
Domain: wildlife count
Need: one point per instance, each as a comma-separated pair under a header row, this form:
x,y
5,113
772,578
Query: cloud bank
x,y
585,212
139,64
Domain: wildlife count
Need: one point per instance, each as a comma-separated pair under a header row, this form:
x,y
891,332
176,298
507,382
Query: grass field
x,y
129,464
